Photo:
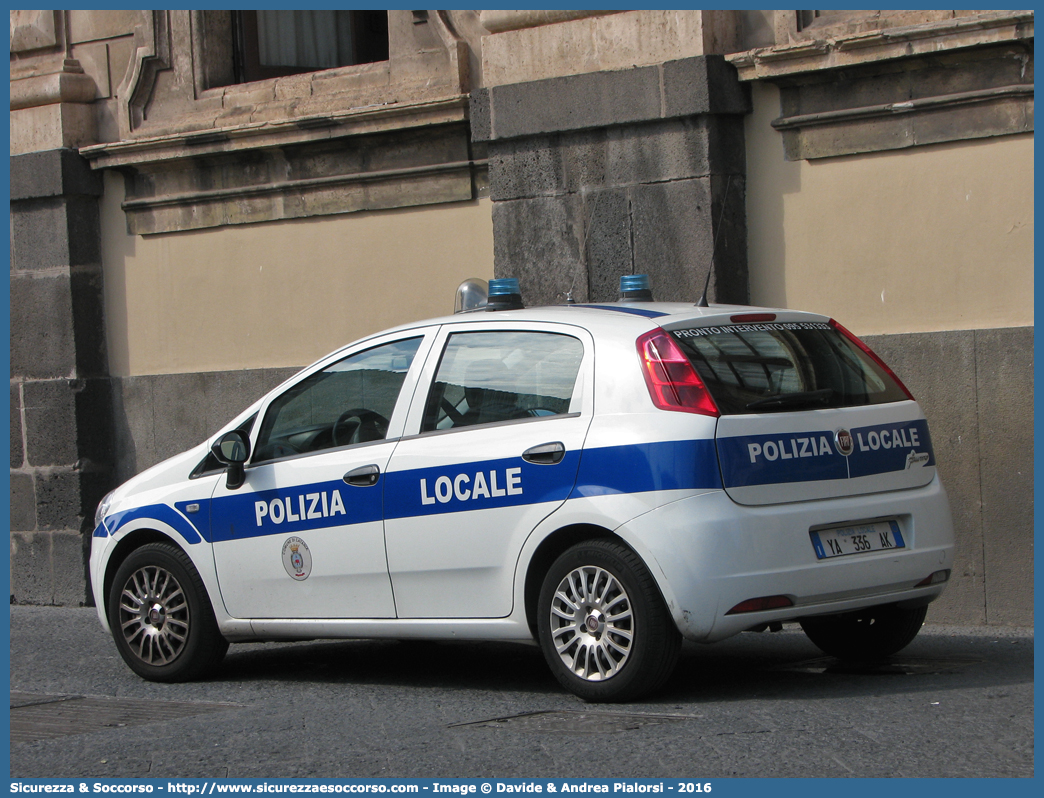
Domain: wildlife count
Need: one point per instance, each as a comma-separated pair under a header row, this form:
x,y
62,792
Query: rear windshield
x,y
784,366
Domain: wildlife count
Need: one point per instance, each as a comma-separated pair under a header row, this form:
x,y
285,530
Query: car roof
x,y
624,318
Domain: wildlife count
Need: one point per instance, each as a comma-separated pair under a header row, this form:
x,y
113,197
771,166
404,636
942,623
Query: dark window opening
x,y
272,44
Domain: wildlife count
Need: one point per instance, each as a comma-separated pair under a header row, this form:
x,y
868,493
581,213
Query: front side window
x,y
491,377
347,403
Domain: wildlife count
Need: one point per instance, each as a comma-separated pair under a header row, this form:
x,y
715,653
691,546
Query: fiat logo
x,y
843,441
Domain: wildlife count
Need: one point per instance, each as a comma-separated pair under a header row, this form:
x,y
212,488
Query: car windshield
x,y
781,366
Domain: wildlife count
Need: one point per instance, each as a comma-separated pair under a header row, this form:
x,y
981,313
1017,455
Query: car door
x,y
498,435
303,536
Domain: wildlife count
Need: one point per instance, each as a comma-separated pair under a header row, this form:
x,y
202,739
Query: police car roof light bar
x,y
504,294
873,356
635,288
672,381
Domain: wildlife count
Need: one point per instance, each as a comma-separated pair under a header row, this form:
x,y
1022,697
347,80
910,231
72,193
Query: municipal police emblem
x,y
843,441
297,559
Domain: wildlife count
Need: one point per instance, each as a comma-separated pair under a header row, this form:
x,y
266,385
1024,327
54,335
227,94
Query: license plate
x,y
857,539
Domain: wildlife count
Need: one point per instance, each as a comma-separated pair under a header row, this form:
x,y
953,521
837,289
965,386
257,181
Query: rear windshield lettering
x,y
696,332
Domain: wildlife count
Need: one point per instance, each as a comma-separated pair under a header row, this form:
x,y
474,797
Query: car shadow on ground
x,y
748,666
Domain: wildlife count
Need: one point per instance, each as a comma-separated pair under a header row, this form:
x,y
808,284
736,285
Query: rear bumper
x,y
708,554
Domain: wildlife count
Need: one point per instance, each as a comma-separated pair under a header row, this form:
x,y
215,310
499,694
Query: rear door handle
x,y
545,454
363,477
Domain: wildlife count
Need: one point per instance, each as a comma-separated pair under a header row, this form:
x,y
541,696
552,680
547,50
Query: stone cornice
x,y
498,21
232,138
831,52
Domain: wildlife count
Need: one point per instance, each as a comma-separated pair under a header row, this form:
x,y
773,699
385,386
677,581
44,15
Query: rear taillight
x,y
872,355
673,382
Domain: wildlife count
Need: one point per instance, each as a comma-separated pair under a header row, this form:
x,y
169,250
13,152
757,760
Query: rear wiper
x,y
792,400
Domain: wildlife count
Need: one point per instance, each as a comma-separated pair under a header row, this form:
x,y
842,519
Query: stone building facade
x,y
204,201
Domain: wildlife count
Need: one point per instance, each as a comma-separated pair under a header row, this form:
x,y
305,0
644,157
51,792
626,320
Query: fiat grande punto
x,y
603,479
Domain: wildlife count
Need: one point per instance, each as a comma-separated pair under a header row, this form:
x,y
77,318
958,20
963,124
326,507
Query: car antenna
x,y
702,302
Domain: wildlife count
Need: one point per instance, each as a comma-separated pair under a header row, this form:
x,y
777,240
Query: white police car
x,y
605,479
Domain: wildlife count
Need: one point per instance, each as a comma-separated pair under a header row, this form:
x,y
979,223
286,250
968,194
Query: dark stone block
x,y
50,422
657,152
133,427
17,440
584,156
939,369
703,85
23,503
525,168
228,393
573,103
539,242
39,234
179,420
1004,381
730,283
478,112
609,240
59,504
42,344
673,237
31,580
53,173
53,233
726,145
69,564
95,444
83,230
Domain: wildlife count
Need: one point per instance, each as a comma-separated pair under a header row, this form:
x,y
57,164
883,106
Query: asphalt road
x,y
958,702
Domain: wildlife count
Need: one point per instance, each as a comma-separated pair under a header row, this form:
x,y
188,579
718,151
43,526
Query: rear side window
x,y
490,377
782,366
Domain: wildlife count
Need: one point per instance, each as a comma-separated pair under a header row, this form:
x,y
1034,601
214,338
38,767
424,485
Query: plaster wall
x,y
918,240
279,294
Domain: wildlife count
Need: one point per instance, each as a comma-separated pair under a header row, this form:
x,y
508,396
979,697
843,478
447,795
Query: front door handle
x,y
363,477
545,454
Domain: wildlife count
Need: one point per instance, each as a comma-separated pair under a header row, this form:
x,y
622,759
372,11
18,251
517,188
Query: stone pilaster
x,y
632,171
61,451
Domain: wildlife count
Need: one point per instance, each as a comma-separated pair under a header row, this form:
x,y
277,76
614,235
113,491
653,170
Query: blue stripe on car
x,y
637,468
160,512
649,314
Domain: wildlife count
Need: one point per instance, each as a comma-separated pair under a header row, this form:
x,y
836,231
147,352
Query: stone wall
x,y
61,441
976,389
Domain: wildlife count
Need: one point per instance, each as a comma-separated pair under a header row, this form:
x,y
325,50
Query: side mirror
x,y
232,449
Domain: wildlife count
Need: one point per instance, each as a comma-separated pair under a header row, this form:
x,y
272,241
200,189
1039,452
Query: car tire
x,y
868,634
161,618
603,626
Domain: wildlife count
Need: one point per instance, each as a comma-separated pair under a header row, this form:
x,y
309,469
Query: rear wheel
x,y
603,626
161,618
867,634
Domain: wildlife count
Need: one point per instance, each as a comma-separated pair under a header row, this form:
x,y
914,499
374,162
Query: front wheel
x,y
603,626
161,618
867,634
